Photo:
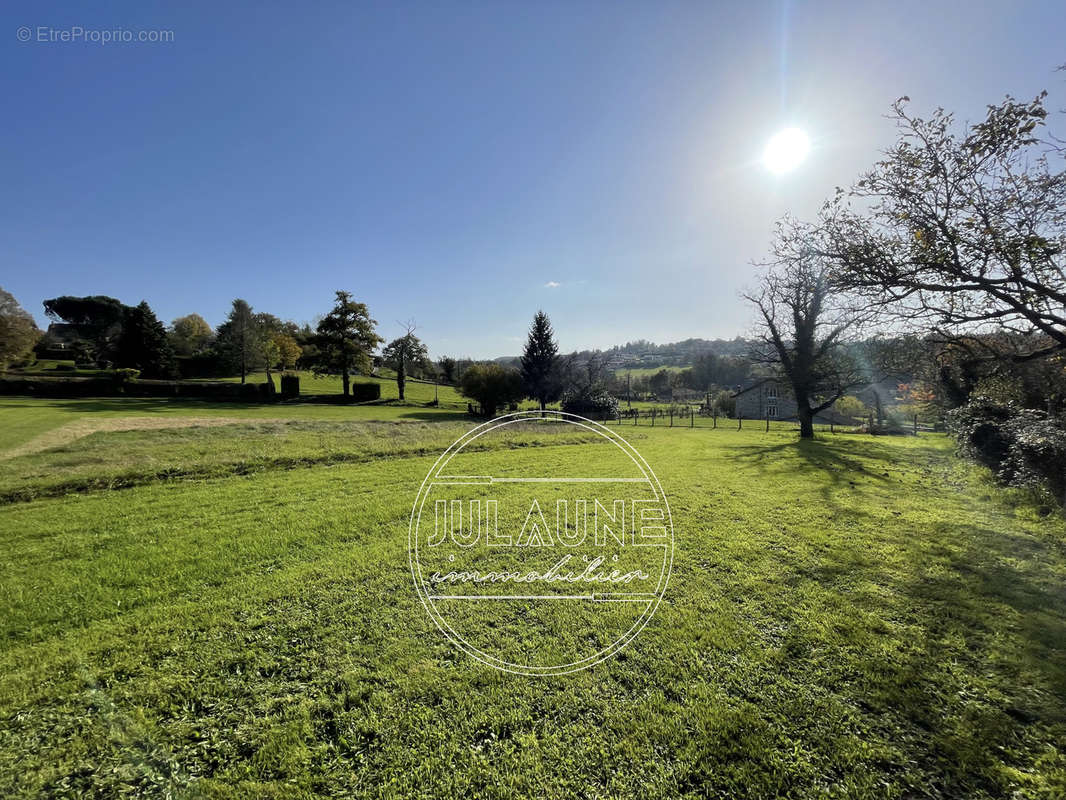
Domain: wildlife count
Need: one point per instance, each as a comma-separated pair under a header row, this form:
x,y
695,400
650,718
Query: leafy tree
x,y
724,402
345,338
448,369
289,351
143,344
492,386
190,334
539,359
804,327
97,319
851,406
18,331
403,353
959,232
660,382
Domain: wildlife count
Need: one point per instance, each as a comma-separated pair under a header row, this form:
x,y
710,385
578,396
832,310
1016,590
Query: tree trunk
x,y
401,381
806,419
345,379
543,405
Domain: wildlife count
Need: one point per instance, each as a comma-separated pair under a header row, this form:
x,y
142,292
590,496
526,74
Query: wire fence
x,y
698,417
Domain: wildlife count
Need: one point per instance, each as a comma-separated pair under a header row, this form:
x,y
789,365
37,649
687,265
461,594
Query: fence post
x,y
915,424
767,421
671,416
691,417
714,419
653,416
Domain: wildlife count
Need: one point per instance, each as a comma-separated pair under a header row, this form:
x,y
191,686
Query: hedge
x,y
1025,447
360,393
112,387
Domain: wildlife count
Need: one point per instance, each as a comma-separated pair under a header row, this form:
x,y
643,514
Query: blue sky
x,y
463,164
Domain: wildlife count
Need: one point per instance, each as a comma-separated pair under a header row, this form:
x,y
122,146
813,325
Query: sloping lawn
x,y
850,617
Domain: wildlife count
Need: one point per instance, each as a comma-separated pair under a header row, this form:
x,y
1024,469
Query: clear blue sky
x,y
446,161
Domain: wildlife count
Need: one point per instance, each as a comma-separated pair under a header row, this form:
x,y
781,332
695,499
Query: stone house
x,y
768,397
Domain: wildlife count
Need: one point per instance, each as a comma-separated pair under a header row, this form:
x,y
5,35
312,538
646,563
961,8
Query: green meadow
x,y
215,601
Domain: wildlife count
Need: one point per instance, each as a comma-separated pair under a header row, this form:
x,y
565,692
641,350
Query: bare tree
x,y
806,331
404,353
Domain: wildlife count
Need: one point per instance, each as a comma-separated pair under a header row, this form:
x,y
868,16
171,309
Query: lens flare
x,y
786,151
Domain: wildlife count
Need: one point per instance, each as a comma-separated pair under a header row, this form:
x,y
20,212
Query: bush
x,y
365,392
290,386
596,403
1025,447
492,386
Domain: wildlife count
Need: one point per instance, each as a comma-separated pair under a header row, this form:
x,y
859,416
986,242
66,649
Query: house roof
x,y
754,385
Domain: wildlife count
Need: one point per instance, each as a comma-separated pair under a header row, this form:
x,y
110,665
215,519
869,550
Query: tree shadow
x,y
430,415
833,468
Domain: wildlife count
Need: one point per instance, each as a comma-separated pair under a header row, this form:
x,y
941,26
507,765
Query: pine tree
x,y
539,361
144,345
241,340
345,338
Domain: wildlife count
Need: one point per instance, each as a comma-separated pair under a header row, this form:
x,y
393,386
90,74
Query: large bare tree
x,y
806,331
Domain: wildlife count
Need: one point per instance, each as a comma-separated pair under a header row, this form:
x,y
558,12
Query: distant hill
x,y
643,354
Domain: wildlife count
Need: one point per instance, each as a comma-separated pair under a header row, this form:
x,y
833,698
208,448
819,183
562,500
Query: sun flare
x,y
786,151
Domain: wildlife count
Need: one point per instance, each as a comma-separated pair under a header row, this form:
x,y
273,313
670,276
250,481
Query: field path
x,y
73,431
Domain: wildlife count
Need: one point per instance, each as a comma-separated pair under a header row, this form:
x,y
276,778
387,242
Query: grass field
x,y
227,611
645,372
414,391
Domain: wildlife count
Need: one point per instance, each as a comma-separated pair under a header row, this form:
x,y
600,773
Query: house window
x,y
771,392
771,411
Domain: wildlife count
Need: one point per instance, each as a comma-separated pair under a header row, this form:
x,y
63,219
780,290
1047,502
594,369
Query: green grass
x,y
59,367
849,617
414,391
22,418
645,372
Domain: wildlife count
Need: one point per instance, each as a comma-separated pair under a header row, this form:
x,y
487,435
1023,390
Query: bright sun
x,y
786,151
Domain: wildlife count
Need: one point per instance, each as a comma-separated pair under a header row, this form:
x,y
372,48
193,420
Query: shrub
x,y
492,386
290,385
365,392
594,403
1025,447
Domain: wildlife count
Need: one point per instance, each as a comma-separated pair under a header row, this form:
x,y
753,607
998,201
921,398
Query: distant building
x,y
772,398
765,398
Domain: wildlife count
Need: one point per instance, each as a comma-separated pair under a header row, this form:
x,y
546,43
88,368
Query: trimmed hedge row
x,y
360,393
41,386
109,387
